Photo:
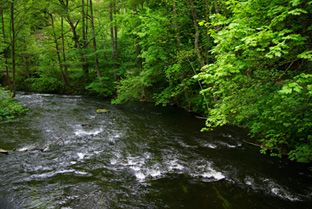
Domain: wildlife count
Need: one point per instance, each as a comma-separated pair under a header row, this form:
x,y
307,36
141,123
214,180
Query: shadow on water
x,y
137,156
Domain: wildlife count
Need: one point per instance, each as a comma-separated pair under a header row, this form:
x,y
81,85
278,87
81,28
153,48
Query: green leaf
x,y
305,55
297,12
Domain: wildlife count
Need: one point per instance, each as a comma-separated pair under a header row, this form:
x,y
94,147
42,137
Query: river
x,y
137,156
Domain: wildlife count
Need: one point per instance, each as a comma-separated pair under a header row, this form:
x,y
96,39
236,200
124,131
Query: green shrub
x,y
9,108
103,87
129,89
46,84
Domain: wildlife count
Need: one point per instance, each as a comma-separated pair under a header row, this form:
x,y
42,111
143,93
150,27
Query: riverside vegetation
x,y
240,62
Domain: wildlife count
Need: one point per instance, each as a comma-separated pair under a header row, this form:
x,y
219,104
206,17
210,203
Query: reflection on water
x,y
137,156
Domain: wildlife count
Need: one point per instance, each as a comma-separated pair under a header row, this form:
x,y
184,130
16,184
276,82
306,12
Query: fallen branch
x,y
199,117
46,146
253,144
262,146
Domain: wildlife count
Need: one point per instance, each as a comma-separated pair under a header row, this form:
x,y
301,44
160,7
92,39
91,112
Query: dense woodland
x,y
239,62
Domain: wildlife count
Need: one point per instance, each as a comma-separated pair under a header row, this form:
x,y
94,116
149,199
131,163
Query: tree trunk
x,y
26,59
63,50
76,39
217,7
94,42
208,13
116,39
112,39
175,23
5,53
217,12
84,64
87,14
73,29
178,37
57,51
137,45
196,41
13,48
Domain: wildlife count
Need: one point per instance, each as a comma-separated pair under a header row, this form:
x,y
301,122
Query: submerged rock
x,y
102,111
86,125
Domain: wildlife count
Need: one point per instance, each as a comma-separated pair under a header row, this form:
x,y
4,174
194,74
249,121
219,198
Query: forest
x,y
246,63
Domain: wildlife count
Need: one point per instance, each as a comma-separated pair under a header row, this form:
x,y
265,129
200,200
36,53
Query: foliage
x,y
9,108
129,89
262,76
45,84
246,63
166,73
101,87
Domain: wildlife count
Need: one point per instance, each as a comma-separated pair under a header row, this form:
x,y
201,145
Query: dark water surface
x,y
137,156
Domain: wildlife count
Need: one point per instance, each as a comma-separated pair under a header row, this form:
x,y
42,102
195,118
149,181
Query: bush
x,y
9,108
46,84
103,86
129,89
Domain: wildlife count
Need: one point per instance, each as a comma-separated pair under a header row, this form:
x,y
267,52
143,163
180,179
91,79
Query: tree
x,y
94,42
84,32
55,39
13,32
262,78
6,47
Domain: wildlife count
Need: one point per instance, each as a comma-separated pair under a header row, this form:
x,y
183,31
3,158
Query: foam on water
x,y
146,167
205,170
174,165
53,173
140,176
212,146
81,132
25,148
81,155
279,191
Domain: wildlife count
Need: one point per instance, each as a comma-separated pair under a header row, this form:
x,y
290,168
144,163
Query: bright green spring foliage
x,y
262,77
167,55
9,108
45,84
257,58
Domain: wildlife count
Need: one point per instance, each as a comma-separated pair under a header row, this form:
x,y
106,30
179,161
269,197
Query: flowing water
x,y
137,156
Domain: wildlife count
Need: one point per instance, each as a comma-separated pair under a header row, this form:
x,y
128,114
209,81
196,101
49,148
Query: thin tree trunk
x,y
175,23
63,50
116,38
84,65
178,37
87,14
5,53
57,51
73,28
83,22
94,42
112,39
76,39
26,59
217,12
217,7
13,48
208,13
217,29
137,45
196,41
